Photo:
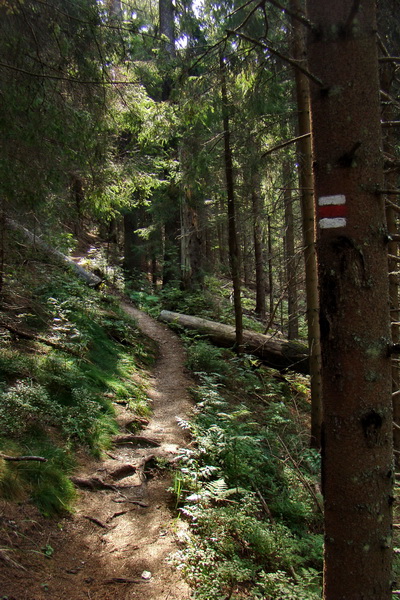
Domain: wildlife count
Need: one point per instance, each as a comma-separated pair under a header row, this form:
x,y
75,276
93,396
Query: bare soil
x,y
116,543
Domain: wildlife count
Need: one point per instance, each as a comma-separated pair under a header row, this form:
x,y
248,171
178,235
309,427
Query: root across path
x,y
116,544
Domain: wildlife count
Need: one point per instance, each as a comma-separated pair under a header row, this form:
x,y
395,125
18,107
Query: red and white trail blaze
x,y
332,211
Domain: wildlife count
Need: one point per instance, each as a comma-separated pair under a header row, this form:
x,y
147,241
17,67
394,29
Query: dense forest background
x,y
166,148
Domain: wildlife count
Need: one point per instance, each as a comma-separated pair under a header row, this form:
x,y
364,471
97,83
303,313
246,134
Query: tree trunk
x,y
258,245
290,258
357,469
275,352
270,269
391,179
172,244
134,246
308,226
167,29
191,244
234,258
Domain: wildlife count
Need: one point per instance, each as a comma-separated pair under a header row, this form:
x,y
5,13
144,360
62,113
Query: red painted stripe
x,y
332,210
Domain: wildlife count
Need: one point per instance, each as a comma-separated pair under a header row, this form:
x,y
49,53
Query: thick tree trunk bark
x,y
357,468
290,259
167,29
258,245
275,352
391,181
234,256
306,181
270,270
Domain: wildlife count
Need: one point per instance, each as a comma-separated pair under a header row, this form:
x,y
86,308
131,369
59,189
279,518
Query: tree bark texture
x,y
357,467
167,29
234,258
274,352
306,181
387,74
290,258
256,205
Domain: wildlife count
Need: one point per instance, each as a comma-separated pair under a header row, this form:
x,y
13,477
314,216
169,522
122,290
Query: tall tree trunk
x,y
2,244
256,206
270,268
357,469
172,229
290,258
172,247
167,29
306,181
134,247
221,231
191,244
391,179
234,257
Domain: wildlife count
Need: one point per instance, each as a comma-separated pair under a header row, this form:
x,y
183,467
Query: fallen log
x,y
90,279
273,351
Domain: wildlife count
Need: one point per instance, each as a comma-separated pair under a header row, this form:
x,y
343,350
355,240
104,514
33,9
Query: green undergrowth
x,y
58,385
249,487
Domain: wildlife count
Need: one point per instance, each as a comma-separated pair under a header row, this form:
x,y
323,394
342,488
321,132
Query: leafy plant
x,y
247,488
55,400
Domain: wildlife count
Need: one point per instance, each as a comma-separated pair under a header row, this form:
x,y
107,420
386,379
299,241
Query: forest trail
x,y
114,546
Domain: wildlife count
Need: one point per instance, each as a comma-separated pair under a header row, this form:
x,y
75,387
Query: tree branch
x,y
295,15
287,143
390,123
21,458
60,78
290,61
384,59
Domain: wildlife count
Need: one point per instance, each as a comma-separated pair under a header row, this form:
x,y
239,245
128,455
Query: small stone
x,y
146,575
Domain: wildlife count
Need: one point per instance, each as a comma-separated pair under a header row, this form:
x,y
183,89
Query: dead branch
x,y
390,123
10,561
284,144
265,506
301,477
96,521
395,59
21,458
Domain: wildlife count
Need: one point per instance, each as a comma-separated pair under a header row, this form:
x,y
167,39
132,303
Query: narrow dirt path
x,y
115,545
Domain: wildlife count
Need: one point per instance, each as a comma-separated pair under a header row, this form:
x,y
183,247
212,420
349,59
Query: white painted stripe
x,y
326,200
331,223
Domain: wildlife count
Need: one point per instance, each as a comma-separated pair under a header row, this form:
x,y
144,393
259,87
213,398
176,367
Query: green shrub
x,y
202,357
247,487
